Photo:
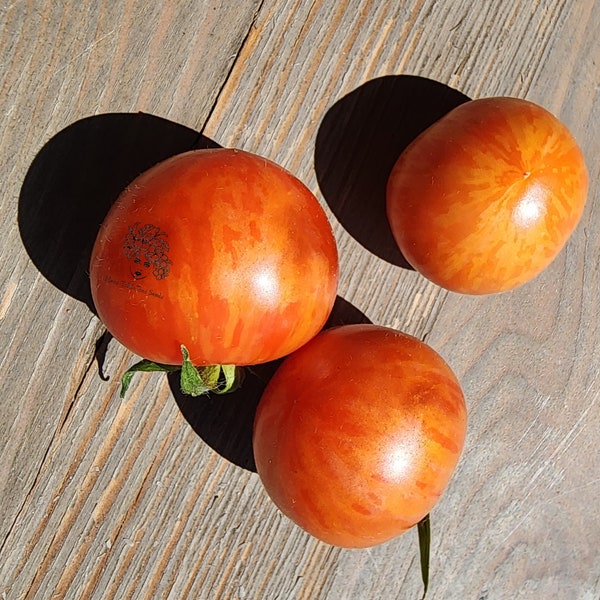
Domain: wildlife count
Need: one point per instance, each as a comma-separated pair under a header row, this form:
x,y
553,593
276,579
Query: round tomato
x,y
358,433
219,250
484,199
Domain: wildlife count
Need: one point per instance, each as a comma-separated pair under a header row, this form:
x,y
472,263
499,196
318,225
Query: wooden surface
x,y
156,496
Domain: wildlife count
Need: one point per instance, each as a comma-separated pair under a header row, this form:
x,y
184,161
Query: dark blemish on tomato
x,y
146,248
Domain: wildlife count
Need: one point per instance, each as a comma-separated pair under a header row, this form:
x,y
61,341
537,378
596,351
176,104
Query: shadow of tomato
x,y
225,422
359,140
74,180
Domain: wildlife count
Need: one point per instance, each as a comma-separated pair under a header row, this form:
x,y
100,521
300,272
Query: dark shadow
x,y
360,139
345,313
100,353
225,422
74,180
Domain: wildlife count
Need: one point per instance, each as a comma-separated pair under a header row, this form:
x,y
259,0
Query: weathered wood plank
x,y
156,497
61,63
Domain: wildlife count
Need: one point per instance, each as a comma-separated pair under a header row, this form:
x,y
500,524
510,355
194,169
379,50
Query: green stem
x,y
424,529
194,381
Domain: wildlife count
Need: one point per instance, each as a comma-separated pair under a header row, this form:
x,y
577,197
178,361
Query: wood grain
x,y
156,496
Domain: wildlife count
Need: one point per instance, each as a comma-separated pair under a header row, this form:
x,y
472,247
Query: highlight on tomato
x,y
485,198
357,434
214,257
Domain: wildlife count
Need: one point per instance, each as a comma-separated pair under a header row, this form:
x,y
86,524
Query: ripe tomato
x,y
484,199
358,433
218,250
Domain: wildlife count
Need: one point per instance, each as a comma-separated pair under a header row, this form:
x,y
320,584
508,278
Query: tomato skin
x,y
484,199
358,433
220,250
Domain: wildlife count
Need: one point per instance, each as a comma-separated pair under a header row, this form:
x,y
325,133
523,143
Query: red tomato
x,y
358,433
485,199
219,250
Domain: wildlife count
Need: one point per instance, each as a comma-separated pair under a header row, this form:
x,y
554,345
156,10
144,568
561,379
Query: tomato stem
x,y
424,529
194,381
218,379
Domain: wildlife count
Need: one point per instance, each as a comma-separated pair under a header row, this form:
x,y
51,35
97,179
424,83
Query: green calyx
x,y
194,381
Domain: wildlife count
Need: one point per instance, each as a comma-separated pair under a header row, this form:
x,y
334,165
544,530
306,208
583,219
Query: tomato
x,y
485,198
358,432
219,250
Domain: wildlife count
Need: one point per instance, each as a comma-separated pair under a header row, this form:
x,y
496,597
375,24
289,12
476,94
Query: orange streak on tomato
x,y
358,433
486,198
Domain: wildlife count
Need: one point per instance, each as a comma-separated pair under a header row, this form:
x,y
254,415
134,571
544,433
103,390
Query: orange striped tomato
x,y
358,433
484,199
221,251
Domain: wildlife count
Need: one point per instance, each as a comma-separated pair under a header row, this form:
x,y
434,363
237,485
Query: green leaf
x,y
144,366
424,528
230,379
218,379
192,382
